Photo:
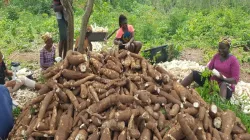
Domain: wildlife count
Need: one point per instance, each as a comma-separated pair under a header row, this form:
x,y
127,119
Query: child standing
x,y
47,54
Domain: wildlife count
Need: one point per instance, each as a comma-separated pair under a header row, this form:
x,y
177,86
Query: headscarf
x,y
46,36
226,40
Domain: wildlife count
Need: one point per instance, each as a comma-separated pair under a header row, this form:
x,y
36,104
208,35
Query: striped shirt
x,y
46,57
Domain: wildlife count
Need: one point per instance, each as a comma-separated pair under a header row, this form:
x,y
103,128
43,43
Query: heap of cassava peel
x,y
119,95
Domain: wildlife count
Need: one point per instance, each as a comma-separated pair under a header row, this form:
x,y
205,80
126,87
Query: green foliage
x,y
41,79
146,54
173,51
243,56
182,23
16,112
32,111
12,13
210,93
34,6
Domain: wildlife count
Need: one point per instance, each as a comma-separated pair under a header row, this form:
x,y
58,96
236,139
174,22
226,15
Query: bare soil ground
x,y
197,56
192,55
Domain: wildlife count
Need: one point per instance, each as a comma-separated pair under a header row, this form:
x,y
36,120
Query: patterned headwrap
x,y
226,40
46,36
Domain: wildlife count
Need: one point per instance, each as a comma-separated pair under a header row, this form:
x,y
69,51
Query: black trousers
x,y
201,81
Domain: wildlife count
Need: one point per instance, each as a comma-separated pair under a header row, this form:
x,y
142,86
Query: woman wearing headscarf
x,y
47,54
125,36
225,67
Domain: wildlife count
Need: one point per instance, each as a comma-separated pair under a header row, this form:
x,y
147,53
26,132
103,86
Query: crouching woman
x,y
228,68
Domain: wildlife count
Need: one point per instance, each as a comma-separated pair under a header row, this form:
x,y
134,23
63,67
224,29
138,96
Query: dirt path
x,y
197,56
192,55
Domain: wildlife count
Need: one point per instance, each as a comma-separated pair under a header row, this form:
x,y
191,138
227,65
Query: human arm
x,y
117,41
228,80
9,73
6,71
10,83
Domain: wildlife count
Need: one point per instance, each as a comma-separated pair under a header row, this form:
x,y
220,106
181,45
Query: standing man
x,y
6,117
62,24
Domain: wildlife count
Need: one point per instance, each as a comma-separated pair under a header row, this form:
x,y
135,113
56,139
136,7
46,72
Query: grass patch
x,y
210,93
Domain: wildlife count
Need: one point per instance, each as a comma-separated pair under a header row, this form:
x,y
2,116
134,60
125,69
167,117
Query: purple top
x,y
230,68
46,57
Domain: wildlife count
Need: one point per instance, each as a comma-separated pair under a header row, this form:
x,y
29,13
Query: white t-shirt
x,y
58,15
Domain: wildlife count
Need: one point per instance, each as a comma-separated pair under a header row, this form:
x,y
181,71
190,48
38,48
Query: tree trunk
x,y
68,10
85,20
6,2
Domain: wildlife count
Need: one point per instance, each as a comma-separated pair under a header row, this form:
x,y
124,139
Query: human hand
x,y
222,77
218,74
119,43
10,83
127,45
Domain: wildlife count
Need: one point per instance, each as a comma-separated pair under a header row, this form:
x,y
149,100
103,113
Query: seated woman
x,y
228,67
47,54
125,36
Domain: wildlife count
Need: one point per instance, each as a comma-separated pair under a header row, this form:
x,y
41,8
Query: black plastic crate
x,y
157,54
97,36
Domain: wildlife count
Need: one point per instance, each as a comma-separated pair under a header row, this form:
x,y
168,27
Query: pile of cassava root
x,y
118,96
